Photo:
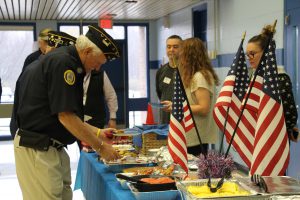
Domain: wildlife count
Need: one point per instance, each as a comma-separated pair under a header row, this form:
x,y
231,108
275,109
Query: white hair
x,y
83,42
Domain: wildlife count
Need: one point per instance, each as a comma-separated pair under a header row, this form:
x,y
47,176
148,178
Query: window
x,y
137,118
73,30
117,32
16,44
137,62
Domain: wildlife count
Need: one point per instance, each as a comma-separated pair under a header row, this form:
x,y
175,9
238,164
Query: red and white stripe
x,y
271,146
188,120
244,138
177,140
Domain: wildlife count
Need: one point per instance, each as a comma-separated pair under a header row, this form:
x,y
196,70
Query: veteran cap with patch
x,y
58,39
104,41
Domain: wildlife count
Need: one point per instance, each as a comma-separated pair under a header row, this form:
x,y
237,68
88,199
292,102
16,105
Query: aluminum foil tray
x,y
186,195
277,186
117,168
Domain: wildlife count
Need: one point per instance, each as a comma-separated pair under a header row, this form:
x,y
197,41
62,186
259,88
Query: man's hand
x,y
167,106
106,134
107,152
294,136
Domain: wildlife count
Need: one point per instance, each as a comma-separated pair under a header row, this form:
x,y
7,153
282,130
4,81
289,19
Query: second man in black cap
x,y
51,113
54,40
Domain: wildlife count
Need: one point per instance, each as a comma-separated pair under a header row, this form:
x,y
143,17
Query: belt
x,y
38,141
56,144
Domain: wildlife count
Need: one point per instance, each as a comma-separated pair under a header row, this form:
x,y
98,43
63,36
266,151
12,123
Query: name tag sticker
x,y
167,80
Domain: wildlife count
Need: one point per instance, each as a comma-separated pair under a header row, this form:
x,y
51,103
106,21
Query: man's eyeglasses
x,y
251,54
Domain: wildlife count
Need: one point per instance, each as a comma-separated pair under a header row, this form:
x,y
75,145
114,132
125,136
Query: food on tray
x,y
139,170
125,150
123,147
119,131
150,170
228,189
124,153
160,180
153,152
124,133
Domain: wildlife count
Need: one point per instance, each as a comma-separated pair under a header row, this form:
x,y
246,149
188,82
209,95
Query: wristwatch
x,y
113,119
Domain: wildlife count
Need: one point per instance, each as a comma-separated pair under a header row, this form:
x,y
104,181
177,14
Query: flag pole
x,y
228,108
220,182
250,89
188,104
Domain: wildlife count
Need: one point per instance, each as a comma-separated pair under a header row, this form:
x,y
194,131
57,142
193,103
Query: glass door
x,y
137,96
17,42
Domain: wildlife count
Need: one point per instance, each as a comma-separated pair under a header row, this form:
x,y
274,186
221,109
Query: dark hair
x,y
262,39
174,37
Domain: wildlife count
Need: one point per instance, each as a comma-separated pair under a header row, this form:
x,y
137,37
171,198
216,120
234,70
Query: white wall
x,y
233,17
226,22
42,24
237,16
181,24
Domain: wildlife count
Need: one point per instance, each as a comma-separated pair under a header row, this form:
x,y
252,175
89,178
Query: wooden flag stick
x,y
244,35
274,26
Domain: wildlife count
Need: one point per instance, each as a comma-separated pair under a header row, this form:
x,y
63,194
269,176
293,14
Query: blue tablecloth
x,y
97,182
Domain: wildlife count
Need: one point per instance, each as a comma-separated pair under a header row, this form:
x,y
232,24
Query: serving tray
x,y
183,185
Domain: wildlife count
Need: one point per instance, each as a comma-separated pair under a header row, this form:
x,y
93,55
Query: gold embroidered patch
x,y
69,77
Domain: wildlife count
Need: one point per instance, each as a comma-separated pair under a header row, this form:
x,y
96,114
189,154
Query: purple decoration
x,y
216,163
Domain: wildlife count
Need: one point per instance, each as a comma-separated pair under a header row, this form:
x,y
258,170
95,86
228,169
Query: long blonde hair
x,y
194,58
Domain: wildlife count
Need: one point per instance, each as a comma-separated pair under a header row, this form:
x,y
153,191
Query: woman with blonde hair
x,y
199,80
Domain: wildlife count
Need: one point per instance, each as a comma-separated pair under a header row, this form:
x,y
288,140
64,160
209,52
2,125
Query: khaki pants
x,y
43,175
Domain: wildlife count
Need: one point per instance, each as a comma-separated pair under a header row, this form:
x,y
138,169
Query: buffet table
x,y
97,182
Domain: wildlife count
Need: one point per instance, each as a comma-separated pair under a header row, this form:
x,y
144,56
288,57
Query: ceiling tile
x,y
89,9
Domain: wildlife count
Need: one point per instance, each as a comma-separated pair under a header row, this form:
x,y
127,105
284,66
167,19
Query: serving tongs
x,y
128,178
259,181
220,182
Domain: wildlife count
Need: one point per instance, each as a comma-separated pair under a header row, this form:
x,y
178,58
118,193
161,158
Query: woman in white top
x,y
199,80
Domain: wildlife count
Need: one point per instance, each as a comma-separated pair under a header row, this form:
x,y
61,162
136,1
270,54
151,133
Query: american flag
x,y
228,108
180,122
271,146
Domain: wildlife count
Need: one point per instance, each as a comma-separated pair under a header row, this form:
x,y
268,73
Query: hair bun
x,y
267,31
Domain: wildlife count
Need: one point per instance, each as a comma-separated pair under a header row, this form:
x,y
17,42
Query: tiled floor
x,y
9,187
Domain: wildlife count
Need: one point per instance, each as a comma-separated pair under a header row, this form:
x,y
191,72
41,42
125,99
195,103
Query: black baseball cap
x,y
104,41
